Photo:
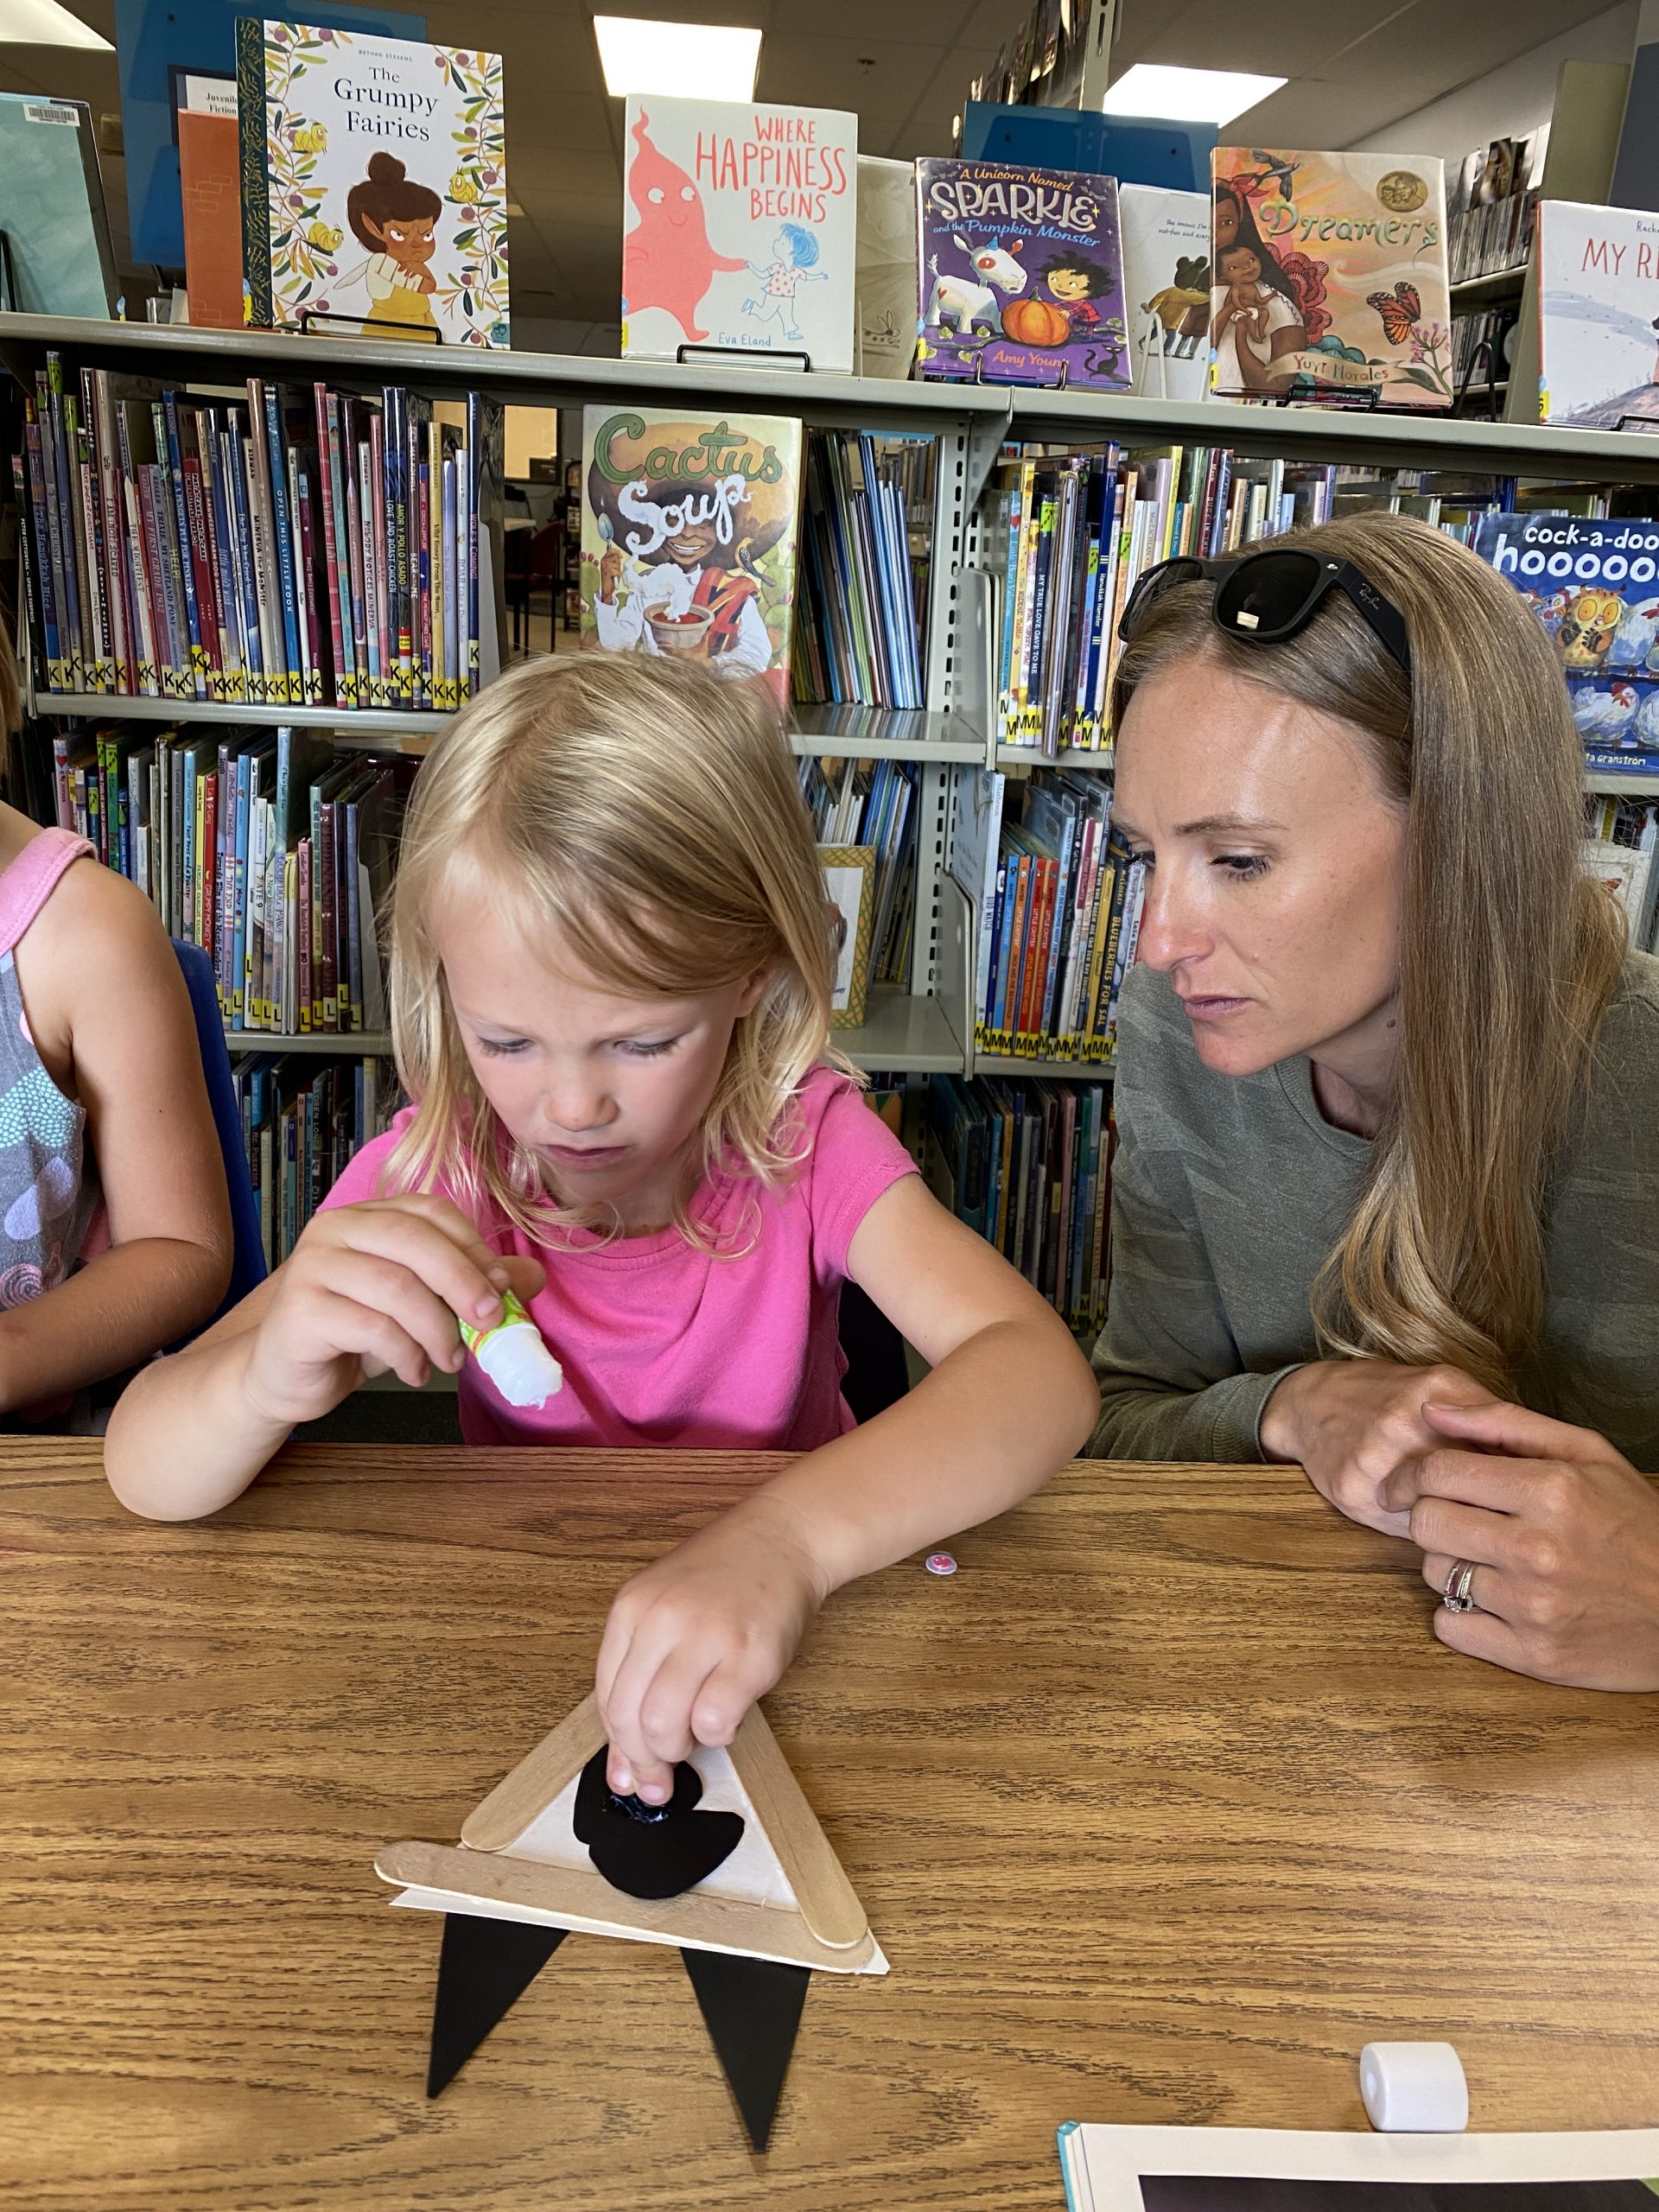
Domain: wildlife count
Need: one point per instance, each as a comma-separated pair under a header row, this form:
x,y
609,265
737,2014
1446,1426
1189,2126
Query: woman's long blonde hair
x,y
1509,953
649,812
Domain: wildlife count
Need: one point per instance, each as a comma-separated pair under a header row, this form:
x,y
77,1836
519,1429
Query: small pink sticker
x,y
941,1563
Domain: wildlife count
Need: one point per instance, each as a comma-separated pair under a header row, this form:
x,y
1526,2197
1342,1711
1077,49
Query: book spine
x,y
44,564
354,921
201,561
166,442
302,912
423,545
327,413
233,450
308,572
31,627
252,112
264,573
117,571
475,474
330,916
100,672
227,597
374,517
357,567
371,538
282,541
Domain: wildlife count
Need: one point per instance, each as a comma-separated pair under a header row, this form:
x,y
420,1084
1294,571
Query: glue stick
x,y
514,1356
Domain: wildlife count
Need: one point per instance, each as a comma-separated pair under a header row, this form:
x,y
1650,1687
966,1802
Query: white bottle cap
x,y
1413,2089
519,1363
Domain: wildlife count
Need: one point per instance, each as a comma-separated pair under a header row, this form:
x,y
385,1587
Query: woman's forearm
x,y
982,1431
185,1438
114,1311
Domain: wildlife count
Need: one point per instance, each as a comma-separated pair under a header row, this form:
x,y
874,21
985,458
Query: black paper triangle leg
x,y
484,1968
752,2008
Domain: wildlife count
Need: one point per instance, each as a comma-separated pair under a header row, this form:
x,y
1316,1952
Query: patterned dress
x,y
51,1205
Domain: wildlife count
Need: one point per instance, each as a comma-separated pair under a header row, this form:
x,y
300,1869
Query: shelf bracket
x,y
986,436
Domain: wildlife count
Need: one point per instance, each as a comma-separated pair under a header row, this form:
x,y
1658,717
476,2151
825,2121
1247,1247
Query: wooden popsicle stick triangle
x,y
824,1924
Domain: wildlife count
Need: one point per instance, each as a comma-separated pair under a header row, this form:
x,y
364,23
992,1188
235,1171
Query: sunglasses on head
x,y
1265,598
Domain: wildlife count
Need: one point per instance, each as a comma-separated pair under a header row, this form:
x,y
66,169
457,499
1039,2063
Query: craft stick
x,y
575,1897
828,1903
536,1780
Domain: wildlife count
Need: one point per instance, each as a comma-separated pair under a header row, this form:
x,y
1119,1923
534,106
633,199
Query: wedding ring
x,y
1458,1585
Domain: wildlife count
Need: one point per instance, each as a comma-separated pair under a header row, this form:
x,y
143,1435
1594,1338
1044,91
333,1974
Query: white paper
x,y
1102,2165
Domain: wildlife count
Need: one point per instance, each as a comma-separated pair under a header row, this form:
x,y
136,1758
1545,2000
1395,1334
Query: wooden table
x,y
1161,1806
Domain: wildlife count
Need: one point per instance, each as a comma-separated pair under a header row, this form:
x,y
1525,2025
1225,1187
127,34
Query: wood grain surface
x,y
1161,1806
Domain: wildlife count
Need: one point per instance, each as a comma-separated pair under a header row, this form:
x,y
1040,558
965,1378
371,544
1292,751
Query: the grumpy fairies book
x,y
374,184
1328,279
688,538
1021,276
739,229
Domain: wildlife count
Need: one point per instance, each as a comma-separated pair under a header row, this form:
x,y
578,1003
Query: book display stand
x,y
735,1872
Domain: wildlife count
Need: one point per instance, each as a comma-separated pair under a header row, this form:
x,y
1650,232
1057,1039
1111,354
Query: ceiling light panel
x,y
693,61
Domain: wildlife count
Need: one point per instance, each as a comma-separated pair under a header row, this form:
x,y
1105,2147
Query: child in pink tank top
x,y
115,1233
610,981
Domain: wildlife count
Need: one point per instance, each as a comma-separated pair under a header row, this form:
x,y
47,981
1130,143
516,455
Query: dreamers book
x,y
1597,316
1166,288
1328,279
688,538
1021,277
739,229
374,185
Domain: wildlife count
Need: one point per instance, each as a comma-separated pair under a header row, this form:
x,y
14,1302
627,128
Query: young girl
x,y
115,1230
396,217
610,985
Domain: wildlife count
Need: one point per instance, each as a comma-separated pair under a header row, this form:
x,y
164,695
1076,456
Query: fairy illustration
x,y
794,259
667,260
397,219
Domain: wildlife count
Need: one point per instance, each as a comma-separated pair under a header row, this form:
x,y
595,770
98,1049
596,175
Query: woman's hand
x,y
1564,1537
698,1636
1351,1422
369,1287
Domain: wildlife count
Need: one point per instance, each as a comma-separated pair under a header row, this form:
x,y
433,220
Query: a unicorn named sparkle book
x,y
1328,279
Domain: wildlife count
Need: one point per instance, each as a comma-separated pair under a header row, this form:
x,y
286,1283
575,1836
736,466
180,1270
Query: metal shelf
x,y
1497,285
228,357
1067,1071
364,724
902,1033
1069,756
333,1044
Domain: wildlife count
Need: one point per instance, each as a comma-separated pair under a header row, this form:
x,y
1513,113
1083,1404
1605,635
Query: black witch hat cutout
x,y
734,1870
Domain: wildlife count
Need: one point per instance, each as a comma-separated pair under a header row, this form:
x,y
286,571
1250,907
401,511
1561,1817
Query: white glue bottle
x,y
514,1356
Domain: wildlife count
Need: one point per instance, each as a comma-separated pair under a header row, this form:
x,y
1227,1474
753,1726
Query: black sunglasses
x,y
1264,598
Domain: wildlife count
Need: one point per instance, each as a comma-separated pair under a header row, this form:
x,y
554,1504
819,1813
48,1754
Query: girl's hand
x,y
695,1639
1351,1422
1563,1536
371,1287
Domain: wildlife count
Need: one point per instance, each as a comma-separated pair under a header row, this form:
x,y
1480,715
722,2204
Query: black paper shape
x,y
484,1968
651,1851
752,2008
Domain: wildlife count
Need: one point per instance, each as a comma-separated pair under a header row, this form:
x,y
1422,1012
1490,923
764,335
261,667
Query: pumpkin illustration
x,y
1036,323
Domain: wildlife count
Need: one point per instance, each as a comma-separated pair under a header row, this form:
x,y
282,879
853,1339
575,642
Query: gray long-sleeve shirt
x,y
1228,1192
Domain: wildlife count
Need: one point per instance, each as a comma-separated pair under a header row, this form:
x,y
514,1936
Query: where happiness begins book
x,y
374,184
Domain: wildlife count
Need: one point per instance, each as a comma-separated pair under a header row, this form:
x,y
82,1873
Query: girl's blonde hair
x,y
1509,953
648,811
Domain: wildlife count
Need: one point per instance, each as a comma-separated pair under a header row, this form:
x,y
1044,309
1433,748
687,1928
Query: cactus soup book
x,y
374,185
688,538
1021,277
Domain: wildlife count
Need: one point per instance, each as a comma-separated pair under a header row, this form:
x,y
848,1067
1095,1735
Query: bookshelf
x,y
926,1027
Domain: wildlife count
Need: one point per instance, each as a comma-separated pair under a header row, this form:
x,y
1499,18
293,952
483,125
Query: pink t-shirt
x,y
661,1343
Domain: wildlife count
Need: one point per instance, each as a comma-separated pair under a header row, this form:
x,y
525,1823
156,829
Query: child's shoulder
x,y
850,1157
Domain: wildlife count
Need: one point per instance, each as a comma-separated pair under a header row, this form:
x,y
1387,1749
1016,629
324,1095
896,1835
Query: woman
x,y
1387,1102
1278,328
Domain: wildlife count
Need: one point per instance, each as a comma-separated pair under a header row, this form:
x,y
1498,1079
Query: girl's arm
x,y
693,1641
370,1287
107,1001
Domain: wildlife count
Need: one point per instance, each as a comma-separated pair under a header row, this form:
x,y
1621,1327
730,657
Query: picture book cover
x,y
1019,277
885,286
1597,316
688,538
1166,288
739,229
1328,278
1595,586
374,184
57,257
